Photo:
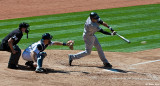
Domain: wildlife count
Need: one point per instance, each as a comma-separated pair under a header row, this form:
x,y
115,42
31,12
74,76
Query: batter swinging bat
x,y
123,38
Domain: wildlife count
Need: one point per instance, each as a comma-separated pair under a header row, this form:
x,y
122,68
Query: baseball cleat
x,y
30,64
39,70
107,65
70,60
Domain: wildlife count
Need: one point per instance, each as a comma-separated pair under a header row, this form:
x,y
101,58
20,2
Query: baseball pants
x,y
91,41
14,58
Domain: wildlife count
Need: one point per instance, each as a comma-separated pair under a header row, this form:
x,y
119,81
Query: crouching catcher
x,y
34,54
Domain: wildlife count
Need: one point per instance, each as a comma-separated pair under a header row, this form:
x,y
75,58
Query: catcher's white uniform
x,y
27,52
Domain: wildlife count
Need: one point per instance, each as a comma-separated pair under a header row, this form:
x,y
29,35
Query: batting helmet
x,y
94,15
46,36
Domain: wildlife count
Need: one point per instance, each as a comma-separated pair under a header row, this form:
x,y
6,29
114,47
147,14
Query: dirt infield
x,y
21,8
87,71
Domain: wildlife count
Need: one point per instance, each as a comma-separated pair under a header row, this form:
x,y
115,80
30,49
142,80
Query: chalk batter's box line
x,y
145,62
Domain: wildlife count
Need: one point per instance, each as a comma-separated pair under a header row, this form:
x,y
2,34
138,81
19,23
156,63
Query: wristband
x,y
64,44
111,28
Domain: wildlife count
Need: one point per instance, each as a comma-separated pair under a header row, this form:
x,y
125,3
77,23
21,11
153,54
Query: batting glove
x,y
113,33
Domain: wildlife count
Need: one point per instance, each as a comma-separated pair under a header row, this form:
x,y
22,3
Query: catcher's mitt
x,y
70,43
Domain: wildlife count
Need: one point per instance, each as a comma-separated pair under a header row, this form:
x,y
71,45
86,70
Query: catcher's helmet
x,y
46,36
23,25
94,15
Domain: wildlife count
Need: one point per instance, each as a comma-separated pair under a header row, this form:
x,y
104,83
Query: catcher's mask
x,y
24,25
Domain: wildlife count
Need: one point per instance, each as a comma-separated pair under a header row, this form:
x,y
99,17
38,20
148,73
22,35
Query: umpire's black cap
x,y
23,25
94,15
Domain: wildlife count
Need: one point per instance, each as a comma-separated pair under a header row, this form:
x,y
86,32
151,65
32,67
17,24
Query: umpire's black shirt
x,y
16,35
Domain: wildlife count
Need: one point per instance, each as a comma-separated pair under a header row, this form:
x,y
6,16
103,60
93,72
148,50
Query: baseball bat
x,y
123,38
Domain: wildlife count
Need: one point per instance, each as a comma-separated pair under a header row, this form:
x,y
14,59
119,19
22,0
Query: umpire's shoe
x,y
107,65
12,66
70,60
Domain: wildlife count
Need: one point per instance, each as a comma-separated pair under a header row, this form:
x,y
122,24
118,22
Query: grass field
x,y
137,23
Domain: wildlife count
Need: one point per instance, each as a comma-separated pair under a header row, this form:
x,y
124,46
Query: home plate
x,y
116,70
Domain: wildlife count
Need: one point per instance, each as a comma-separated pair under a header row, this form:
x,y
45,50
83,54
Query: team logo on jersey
x,y
15,38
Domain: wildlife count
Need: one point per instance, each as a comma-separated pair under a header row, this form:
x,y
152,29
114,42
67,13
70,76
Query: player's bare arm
x,y
106,25
10,43
57,43
70,43
33,54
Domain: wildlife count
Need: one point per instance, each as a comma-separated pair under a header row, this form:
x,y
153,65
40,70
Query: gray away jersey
x,y
90,27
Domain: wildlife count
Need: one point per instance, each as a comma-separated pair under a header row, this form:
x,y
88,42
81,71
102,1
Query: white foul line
x,y
146,62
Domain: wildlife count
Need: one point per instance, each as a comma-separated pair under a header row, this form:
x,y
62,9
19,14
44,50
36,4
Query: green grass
x,y
137,23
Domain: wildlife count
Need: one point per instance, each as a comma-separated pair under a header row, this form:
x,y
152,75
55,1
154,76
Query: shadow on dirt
x,y
56,71
25,68
49,70
107,69
83,66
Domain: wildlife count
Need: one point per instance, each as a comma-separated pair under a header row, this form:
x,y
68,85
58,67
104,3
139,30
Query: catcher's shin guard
x,y
40,58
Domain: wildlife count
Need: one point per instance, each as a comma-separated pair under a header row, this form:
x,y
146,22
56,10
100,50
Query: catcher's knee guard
x,y
44,54
40,58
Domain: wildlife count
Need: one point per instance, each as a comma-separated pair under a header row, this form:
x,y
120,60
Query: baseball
x,y
143,42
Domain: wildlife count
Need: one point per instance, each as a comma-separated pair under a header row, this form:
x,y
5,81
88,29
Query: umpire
x,y
9,43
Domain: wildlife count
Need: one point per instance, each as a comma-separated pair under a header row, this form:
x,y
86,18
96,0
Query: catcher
x,y
34,54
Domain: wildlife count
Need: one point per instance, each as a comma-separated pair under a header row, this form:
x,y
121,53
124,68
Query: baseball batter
x,y
92,26
34,54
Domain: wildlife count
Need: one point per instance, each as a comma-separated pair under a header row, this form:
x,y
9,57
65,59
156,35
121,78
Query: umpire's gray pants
x,y
91,41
